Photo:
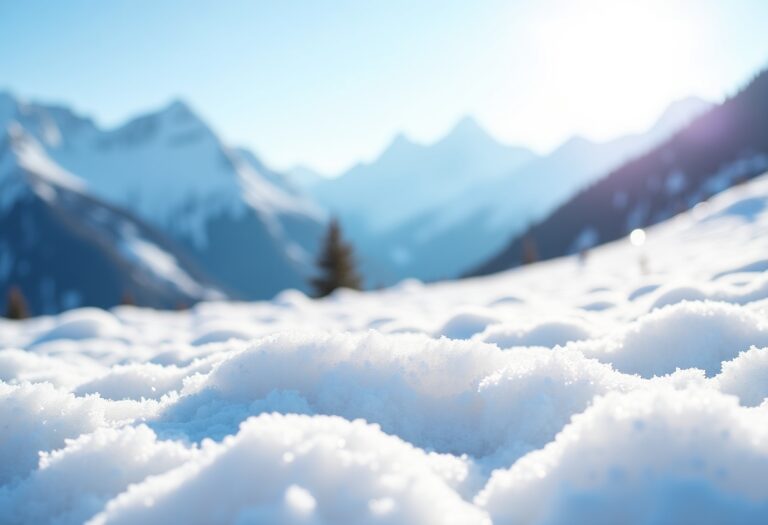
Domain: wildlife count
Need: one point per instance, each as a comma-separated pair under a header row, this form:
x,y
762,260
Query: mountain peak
x,y
680,112
179,110
466,124
575,143
467,128
178,105
400,144
401,139
176,121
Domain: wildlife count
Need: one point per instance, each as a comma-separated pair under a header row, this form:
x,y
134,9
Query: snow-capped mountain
x,y
433,211
249,229
453,237
304,177
725,145
64,248
539,186
378,203
408,178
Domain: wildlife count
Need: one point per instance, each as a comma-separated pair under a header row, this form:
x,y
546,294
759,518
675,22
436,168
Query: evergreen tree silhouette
x,y
16,305
336,264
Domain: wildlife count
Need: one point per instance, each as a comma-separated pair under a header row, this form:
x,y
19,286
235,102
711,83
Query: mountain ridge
x,y
55,238
171,169
724,145
407,224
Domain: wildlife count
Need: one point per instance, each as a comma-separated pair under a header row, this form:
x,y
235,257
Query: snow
x,y
696,334
746,376
27,159
38,417
77,481
83,323
316,467
168,167
158,263
32,158
630,387
664,456
542,333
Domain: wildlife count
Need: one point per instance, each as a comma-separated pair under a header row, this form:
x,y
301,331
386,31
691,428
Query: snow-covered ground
x,y
629,387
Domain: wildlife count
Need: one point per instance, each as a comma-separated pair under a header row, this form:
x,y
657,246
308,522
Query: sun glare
x,y
616,62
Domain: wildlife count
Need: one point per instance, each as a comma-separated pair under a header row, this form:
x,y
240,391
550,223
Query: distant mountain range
x,y
725,145
434,211
161,210
246,227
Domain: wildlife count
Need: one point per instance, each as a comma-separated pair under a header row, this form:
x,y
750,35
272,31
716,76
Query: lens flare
x,y
637,237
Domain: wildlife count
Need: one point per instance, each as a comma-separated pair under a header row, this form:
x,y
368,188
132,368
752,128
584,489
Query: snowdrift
x,y
630,387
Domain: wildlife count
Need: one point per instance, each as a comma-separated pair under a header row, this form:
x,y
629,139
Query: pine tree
x,y
16,305
336,264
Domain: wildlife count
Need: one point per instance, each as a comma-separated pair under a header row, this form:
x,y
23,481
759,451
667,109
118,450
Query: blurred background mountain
x,y
511,133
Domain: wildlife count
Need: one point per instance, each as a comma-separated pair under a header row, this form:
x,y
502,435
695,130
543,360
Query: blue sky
x,y
329,82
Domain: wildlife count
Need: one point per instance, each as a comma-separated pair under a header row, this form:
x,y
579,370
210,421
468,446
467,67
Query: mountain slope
x,y
305,178
376,202
536,188
727,144
171,169
64,248
432,212
408,177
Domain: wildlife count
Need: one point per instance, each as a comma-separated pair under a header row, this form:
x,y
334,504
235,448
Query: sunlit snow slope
x,y
629,387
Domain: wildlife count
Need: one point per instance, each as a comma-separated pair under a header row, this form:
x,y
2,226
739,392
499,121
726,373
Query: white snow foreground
x,y
630,388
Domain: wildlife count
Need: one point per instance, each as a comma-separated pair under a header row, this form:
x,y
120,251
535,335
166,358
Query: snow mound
x,y
38,417
74,483
746,377
678,294
135,381
320,470
221,332
449,396
464,325
19,366
646,457
84,323
549,334
684,335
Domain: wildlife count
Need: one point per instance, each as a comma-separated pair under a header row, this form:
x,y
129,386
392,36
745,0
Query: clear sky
x,y
329,82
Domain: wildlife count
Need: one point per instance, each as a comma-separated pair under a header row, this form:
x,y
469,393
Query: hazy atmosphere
x,y
329,83
384,262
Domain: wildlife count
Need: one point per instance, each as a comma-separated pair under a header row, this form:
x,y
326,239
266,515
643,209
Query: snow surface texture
x,y
630,387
